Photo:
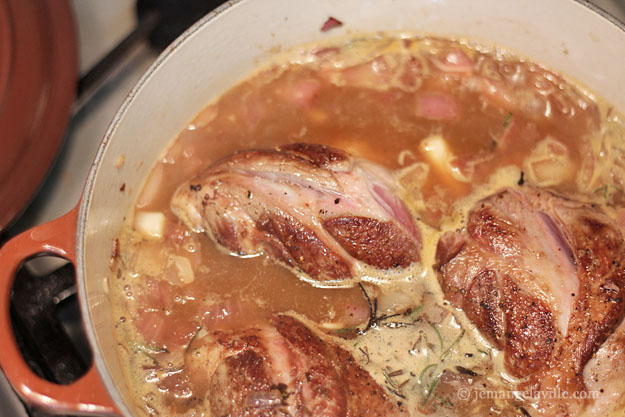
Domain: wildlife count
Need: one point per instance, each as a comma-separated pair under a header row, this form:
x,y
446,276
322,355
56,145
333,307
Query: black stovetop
x,y
47,326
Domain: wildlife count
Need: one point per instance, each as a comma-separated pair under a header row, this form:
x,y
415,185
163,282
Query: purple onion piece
x,y
557,235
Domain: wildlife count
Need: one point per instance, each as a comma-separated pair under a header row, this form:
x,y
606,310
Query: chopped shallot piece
x,y
300,94
150,224
436,151
352,316
183,269
333,325
437,106
376,73
156,329
156,319
549,163
494,93
331,23
462,168
395,302
327,52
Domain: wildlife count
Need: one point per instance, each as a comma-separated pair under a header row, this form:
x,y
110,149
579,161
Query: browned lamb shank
x,y
543,279
316,209
283,369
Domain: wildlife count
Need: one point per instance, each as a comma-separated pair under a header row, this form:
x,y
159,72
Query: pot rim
x,y
608,16
98,358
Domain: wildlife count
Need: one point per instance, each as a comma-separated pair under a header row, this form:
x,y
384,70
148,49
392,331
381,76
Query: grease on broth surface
x,y
456,121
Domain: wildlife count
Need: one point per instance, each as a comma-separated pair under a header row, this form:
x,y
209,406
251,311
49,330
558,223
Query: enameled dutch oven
x,y
214,54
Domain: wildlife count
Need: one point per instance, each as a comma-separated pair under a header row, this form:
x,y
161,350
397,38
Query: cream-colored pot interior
x,y
226,46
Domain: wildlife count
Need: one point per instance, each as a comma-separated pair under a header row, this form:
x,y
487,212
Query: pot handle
x,y
87,395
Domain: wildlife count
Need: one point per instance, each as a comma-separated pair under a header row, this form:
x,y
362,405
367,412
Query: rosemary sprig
x,y
448,350
414,314
422,374
430,390
373,308
605,188
152,358
366,353
192,339
393,386
438,333
388,379
507,119
485,353
151,349
374,319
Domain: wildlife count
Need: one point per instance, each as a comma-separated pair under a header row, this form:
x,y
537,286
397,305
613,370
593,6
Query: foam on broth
x,y
363,95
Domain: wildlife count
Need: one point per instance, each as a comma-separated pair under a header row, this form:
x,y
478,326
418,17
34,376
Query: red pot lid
x,y
37,85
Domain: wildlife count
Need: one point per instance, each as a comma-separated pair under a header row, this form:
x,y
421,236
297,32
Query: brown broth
x,y
364,97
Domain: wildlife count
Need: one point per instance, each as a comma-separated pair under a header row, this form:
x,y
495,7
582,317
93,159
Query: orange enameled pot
x,y
218,51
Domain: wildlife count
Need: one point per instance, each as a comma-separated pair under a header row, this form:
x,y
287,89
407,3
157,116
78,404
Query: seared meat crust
x,y
543,278
313,208
283,369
